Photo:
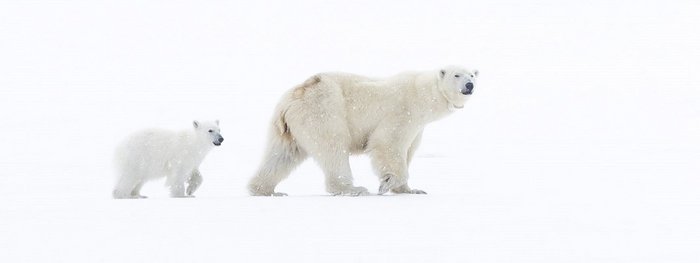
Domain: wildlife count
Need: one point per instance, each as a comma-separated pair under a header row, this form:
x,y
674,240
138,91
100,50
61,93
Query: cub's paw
x,y
182,196
131,197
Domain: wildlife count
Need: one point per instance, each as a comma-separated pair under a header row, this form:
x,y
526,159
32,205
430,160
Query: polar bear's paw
x,y
392,182
417,192
404,189
267,194
121,195
260,189
131,197
182,196
352,191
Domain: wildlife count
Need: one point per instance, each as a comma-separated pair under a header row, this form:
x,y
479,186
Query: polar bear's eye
x,y
472,76
211,131
456,76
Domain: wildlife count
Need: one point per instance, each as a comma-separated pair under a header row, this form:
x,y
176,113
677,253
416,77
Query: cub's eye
x,y
472,76
211,131
456,76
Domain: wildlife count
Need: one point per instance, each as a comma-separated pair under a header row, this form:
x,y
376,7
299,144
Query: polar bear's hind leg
x,y
336,168
280,159
127,188
136,193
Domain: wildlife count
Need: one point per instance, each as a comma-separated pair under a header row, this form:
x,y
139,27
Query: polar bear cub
x,y
157,153
333,115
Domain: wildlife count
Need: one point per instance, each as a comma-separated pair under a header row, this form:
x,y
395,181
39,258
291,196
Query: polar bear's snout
x,y
218,141
468,88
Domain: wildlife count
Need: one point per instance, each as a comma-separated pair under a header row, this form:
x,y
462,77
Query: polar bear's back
x,y
347,103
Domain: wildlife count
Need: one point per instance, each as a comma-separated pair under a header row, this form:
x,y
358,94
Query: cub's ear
x,y
217,122
195,124
442,73
476,73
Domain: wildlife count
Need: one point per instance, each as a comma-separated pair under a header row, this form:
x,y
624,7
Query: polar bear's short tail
x,y
279,119
282,154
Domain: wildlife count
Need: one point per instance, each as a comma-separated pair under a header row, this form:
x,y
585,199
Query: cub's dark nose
x,y
468,88
221,139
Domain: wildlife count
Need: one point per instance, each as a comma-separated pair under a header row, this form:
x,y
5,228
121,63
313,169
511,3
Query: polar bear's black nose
x,y
221,139
468,88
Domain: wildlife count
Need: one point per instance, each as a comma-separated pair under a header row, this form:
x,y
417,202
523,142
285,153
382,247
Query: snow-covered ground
x,y
580,144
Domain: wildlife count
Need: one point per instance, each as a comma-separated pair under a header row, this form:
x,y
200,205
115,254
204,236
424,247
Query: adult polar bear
x,y
333,115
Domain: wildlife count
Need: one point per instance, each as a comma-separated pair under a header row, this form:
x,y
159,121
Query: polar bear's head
x,y
209,131
457,84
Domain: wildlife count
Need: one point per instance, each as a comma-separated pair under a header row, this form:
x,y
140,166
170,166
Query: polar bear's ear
x,y
195,124
476,73
217,122
442,73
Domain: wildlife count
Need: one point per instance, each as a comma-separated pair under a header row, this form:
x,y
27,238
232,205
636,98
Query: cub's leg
x,y
127,187
136,193
194,182
176,183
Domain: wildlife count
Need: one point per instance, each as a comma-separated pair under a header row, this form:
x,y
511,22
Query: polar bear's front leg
x,y
194,182
176,183
392,167
404,189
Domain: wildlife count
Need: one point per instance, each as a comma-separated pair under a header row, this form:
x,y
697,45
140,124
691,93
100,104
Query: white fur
x,y
333,115
156,153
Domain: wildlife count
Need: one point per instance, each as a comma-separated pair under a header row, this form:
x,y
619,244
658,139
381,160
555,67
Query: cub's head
x,y
209,131
457,84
